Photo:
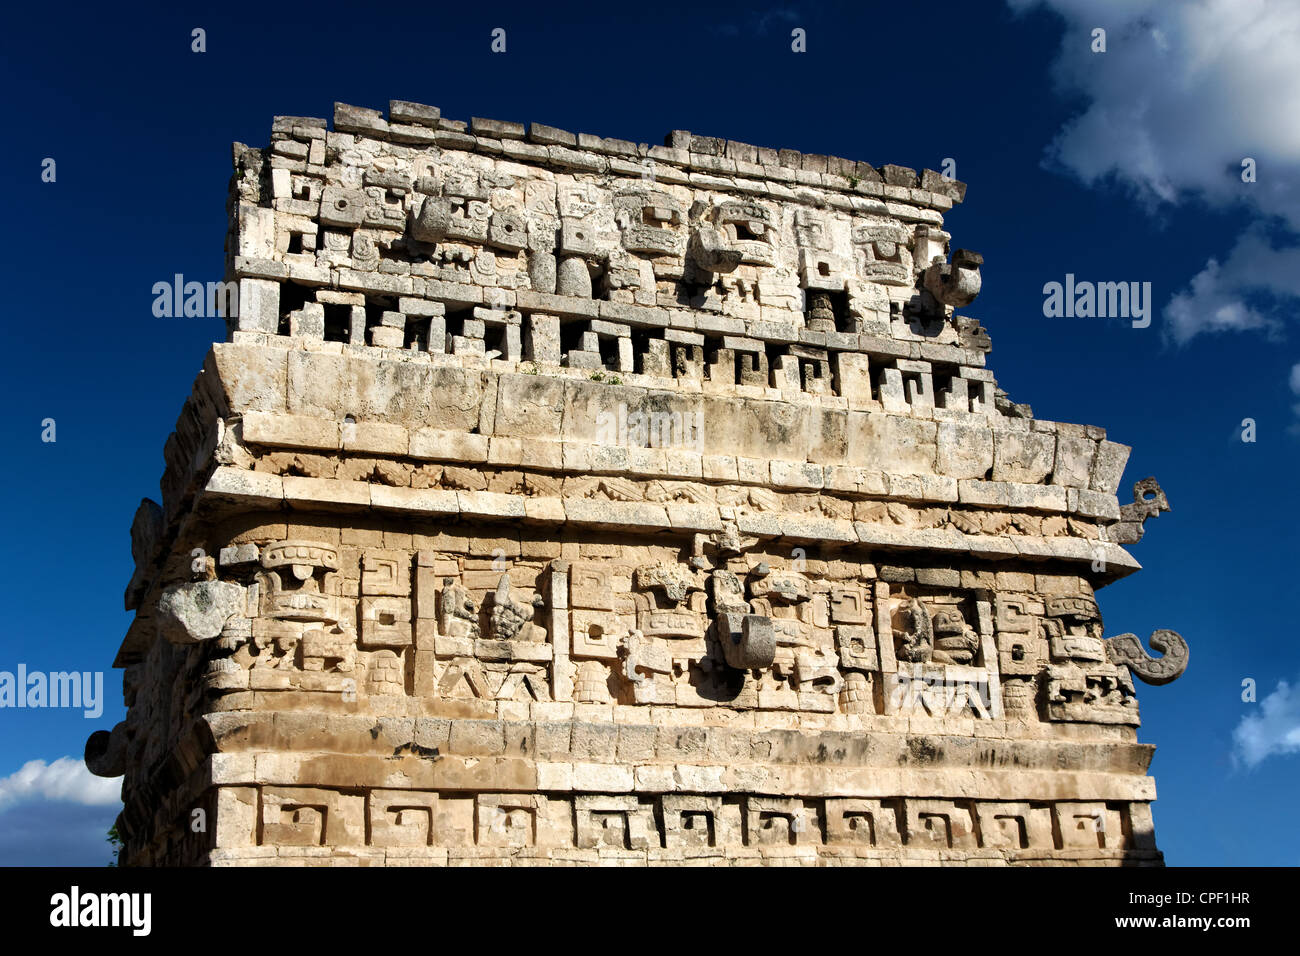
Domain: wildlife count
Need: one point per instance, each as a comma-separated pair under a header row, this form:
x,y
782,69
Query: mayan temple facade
x,y
563,500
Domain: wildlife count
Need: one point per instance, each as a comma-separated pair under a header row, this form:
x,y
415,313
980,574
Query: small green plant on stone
x,y
115,840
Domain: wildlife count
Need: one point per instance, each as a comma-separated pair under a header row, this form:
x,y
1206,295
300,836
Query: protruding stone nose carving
x,y
430,224
956,283
728,235
711,252
197,611
748,640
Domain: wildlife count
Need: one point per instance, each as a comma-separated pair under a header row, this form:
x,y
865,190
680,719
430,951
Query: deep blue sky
x,y
141,127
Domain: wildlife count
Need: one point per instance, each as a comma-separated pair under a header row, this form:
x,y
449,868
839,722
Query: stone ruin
x,y
559,499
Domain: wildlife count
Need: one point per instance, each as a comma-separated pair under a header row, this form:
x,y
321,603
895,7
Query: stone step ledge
x,y
311,434
257,489
515,775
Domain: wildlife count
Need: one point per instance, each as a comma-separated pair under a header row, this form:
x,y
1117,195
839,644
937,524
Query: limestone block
x,y
357,119
236,817
615,821
1016,826
290,431
754,429
939,824
860,821
376,438
309,816
511,820
892,443
573,278
327,494
256,231
402,818
309,321
1073,463
853,376
333,386
259,305
543,271
340,207
1108,466
425,501
1088,825
776,821
244,487
696,820
964,450
1096,504
401,111
1025,457
530,406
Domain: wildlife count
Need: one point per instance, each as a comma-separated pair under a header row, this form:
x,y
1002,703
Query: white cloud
x,y
776,15
1185,91
759,21
1245,291
1274,730
65,779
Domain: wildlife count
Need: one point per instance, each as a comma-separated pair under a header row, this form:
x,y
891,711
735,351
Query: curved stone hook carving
x,y
748,640
1126,649
630,651
105,753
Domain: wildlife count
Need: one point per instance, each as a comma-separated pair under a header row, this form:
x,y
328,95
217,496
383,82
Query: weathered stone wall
x,y
559,499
